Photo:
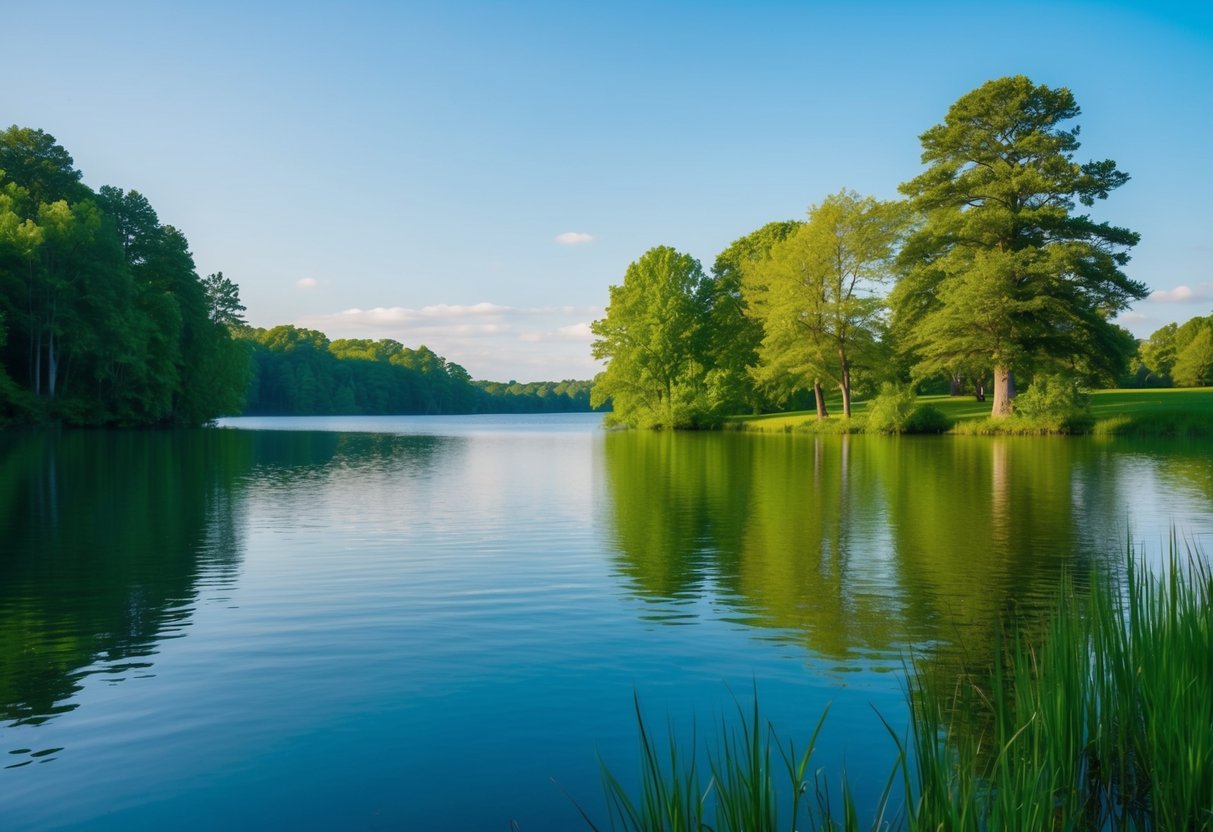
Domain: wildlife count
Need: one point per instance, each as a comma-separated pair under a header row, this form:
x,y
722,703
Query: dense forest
x,y
985,273
103,317
104,321
301,372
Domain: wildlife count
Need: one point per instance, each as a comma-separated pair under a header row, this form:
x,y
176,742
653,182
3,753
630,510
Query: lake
x,y
440,622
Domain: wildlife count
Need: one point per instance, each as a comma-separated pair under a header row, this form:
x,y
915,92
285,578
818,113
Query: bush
x,y
927,418
1054,404
895,411
890,411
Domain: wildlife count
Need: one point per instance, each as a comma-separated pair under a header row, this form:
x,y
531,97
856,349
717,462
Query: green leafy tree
x,y
655,375
1158,352
1003,270
1194,363
815,294
108,321
732,335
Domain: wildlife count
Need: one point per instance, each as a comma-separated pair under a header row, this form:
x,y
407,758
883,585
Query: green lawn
x,y
1186,411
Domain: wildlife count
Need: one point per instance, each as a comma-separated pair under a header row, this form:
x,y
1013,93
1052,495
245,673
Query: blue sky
x,y
406,170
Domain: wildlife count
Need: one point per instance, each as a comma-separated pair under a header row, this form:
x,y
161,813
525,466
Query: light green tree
x,y
650,338
1194,363
816,294
1003,270
1158,352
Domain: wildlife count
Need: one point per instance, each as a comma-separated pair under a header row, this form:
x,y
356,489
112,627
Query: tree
x,y
107,320
732,335
1194,363
223,301
1158,352
654,376
1003,270
815,293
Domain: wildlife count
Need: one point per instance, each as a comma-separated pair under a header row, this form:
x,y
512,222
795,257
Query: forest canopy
x,y
104,321
103,317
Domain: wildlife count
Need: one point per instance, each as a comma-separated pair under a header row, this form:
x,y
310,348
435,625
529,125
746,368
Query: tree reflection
x,y
109,538
105,537
856,546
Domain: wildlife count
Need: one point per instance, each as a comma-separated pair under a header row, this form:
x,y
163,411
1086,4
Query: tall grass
x,y
1103,722
756,783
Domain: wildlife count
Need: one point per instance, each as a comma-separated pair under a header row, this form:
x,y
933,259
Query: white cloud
x,y
1182,294
576,332
574,238
538,343
307,283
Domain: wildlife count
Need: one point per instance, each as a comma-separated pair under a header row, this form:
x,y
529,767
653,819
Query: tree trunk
x,y
954,384
844,383
979,388
820,396
1004,392
52,365
38,364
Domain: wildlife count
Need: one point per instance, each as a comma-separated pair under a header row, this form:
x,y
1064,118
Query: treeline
x,y
104,321
986,273
1177,355
301,372
103,317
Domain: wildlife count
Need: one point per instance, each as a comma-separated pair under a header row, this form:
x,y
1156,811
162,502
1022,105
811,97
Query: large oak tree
x,y
1003,270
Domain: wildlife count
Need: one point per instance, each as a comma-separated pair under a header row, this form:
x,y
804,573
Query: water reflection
x,y
865,547
105,537
111,540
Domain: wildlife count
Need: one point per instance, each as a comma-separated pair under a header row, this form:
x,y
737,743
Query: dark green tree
x,y
1003,270
223,301
732,335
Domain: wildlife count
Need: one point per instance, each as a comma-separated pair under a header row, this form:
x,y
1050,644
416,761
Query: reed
x,y
1102,722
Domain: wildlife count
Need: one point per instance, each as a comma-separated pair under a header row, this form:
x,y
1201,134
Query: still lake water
x,y
439,622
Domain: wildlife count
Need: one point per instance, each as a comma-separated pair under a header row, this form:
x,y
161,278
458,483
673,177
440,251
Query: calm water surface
x,y
439,622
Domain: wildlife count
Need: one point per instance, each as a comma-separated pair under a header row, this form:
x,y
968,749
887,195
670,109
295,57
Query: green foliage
x,y
108,321
733,334
890,411
896,410
1003,272
1056,401
652,339
300,372
223,301
1194,362
568,396
814,296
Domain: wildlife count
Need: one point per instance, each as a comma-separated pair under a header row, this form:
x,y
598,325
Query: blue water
x,y
440,622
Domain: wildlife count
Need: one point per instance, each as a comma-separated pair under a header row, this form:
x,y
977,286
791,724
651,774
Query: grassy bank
x,y
1103,722
1168,413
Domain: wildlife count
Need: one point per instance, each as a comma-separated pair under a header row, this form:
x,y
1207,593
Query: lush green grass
x,y
1171,412
1104,721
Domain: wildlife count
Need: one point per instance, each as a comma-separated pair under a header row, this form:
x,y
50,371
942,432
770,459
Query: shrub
x,y
890,411
1054,404
927,418
895,411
